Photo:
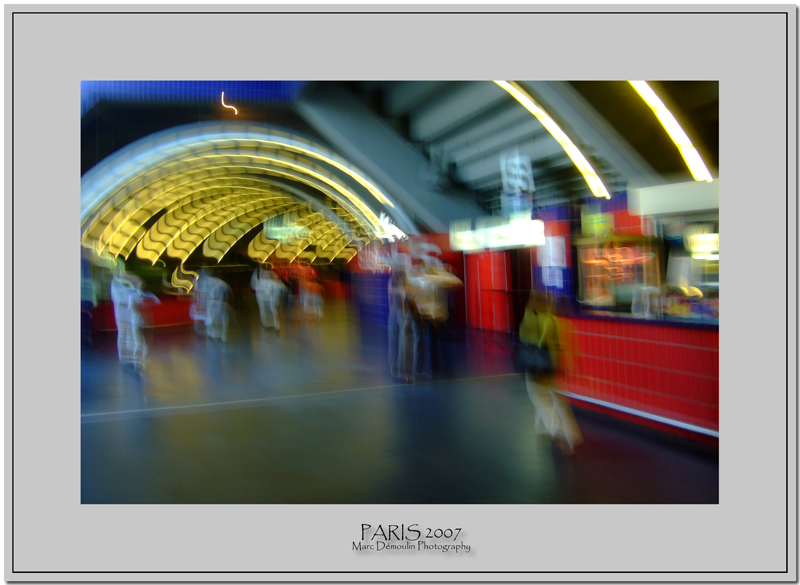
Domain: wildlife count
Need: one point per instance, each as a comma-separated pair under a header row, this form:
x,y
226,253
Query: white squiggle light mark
x,y
235,111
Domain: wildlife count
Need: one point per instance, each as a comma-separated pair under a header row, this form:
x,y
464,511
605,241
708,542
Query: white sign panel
x,y
495,233
553,253
517,174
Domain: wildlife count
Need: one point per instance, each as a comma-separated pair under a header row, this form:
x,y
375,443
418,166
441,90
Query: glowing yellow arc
x,y
592,179
676,133
235,111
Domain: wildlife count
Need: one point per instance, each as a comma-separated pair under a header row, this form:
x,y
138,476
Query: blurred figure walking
x,y
429,289
211,307
311,294
540,356
269,290
198,308
218,311
441,281
397,284
412,348
129,298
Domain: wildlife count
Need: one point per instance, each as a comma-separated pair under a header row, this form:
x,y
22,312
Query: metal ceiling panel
x,y
400,98
455,107
543,146
509,115
495,144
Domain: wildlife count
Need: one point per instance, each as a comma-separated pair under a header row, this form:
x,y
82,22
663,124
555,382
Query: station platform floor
x,y
310,414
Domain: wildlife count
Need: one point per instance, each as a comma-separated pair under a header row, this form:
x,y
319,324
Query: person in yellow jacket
x,y
539,331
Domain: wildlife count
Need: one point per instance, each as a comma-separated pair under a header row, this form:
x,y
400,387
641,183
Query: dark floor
x,y
310,415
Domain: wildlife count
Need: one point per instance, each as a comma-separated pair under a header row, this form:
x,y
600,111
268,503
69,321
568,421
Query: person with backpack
x,y
540,356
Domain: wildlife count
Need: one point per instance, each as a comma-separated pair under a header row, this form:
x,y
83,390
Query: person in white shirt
x,y
218,309
129,300
269,290
211,307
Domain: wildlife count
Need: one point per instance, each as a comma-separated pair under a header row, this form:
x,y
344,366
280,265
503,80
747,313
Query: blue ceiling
x,y
275,92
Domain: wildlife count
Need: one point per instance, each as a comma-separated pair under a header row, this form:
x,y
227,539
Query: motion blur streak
x,y
676,133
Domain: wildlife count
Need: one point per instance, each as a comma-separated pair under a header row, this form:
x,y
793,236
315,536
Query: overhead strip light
x,y
592,179
676,133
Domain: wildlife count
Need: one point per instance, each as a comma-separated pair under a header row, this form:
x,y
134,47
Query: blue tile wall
x,y
189,91
618,202
560,213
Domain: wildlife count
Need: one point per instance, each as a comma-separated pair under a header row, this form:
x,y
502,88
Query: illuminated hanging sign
x,y
284,227
496,233
517,174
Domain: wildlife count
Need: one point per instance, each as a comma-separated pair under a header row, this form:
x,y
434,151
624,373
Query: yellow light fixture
x,y
274,139
676,133
592,179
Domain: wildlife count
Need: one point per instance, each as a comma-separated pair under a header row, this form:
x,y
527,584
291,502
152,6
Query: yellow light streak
x,y
208,203
202,146
314,172
676,133
219,208
118,222
589,174
235,111
165,180
232,215
225,244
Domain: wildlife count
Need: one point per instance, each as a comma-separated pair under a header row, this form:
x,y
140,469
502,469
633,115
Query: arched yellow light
x,y
295,171
289,143
188,210
229,214
208,219
120,199
193,197
589,174
227,234
676,133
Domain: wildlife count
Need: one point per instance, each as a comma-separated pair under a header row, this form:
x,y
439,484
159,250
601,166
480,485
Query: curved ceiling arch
x,y
226,178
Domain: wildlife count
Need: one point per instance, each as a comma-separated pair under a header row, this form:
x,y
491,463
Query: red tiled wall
x,y
667,371
489,302
170,312
625,223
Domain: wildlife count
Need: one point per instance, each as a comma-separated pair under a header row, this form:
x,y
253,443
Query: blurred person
x,y
567,429
314,299
129,300
269,290
418,299
197,310
310,297
396,290
294,295
439,280
218,309
539,333
211,307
